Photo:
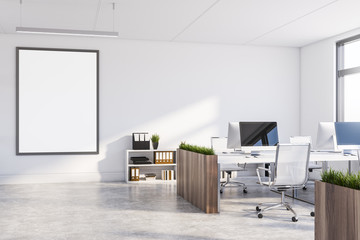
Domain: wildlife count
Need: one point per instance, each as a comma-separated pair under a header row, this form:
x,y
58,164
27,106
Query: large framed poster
x,y
57,108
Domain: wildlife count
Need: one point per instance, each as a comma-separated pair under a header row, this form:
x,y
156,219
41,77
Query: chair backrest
x,y
300,139
219,144
291,164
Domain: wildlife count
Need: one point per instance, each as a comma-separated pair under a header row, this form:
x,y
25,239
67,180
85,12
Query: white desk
x,y
270,157
330,157
231,160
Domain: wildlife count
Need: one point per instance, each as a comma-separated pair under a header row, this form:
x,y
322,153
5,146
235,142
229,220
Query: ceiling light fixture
x,y
72,32
66,32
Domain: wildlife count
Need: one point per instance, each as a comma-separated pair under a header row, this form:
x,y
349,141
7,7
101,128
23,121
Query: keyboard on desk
x,y
325,151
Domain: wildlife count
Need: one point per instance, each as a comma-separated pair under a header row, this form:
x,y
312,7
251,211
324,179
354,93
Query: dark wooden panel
x,y
179,172
336,212
357,215
320,213
211,179
197,180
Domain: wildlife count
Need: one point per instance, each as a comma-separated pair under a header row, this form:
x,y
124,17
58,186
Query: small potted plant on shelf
x,y
155,140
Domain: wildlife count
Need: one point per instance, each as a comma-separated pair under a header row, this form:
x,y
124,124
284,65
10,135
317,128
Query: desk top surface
x,y
269,156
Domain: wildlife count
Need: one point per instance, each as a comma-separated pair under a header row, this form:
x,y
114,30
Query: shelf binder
x,y
134,174
137,174
141,141
167,175
164,157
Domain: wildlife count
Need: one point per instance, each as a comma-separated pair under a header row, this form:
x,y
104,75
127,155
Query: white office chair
x,y
291,172
302,140
219,144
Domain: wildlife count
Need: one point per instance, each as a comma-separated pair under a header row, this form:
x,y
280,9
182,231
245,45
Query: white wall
x,y
183,92
318,85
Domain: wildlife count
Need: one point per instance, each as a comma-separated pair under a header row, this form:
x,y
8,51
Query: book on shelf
x,y
167,175
142,177
140,160
150,176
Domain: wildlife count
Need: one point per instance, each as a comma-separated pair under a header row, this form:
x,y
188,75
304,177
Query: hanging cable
x,y
20,13
97,14
113,5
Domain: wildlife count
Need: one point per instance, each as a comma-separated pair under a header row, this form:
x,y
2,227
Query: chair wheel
x,y
221,191
245,190
312,214
260,215
294,219
258,209
304,188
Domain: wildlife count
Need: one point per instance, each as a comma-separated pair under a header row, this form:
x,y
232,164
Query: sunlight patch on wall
x,y
193,122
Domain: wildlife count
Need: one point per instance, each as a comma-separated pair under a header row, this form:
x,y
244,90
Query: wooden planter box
x,y
197,180
337,212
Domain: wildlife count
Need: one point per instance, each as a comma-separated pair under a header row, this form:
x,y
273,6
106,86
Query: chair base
x,y
284,204
232,182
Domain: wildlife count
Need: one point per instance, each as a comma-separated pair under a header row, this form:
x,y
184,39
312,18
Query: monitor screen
x,y
326,138
348,135
253,134
258,134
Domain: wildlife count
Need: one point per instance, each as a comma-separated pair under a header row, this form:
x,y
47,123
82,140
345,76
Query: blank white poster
x,y
57,101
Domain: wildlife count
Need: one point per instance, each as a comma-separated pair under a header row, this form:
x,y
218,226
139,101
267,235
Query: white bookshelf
x,y
148,168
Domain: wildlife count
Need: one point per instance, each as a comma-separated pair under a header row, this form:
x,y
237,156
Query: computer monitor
x,y
234,135
347,135
326,138
253,135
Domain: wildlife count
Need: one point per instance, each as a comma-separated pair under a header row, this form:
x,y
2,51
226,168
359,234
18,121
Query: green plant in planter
x,y
197,149
155,138
339,178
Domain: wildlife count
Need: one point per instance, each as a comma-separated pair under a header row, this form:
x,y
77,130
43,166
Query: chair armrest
x,y
263,169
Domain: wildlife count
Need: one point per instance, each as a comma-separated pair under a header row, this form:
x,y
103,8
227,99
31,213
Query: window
x,y
348,80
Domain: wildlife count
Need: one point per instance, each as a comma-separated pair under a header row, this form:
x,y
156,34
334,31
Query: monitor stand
x,y
237,151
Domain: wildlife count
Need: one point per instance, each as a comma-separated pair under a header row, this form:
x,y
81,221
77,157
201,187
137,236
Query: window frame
x,y
341,72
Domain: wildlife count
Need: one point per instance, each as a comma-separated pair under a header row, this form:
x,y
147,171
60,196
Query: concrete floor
x,y
307,195
141,211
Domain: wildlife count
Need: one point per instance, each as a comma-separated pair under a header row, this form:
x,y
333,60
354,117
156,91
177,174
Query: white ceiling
x,y
293,23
